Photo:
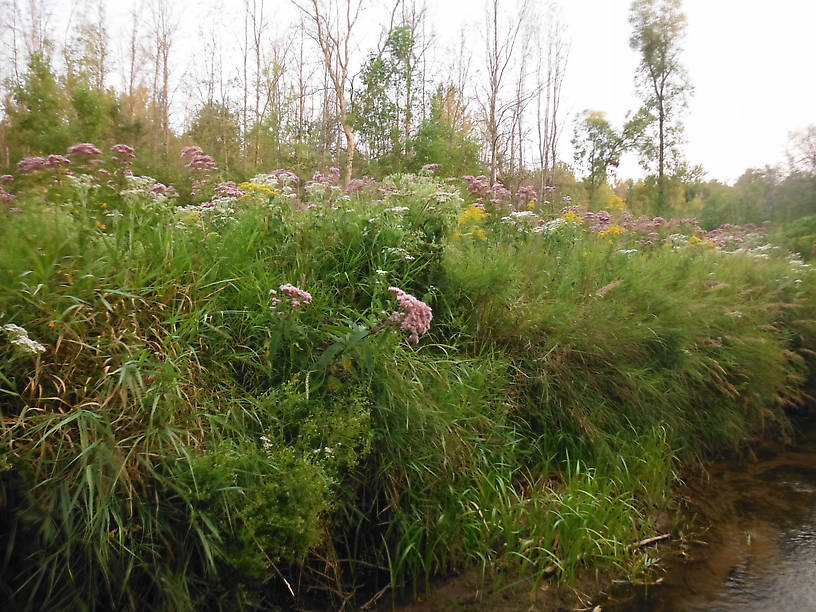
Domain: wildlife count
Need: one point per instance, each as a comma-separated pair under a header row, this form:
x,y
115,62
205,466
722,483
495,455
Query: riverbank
x,y
740,536
294,401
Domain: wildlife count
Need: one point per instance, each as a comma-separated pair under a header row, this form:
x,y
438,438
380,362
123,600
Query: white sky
x,y
750,62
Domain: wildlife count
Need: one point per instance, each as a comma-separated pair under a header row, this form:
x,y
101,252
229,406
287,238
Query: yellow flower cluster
x,y
472,215
614,230
571,217
470,220
701,241
256,189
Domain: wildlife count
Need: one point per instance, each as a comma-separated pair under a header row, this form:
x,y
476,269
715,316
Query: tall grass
x,y
180,444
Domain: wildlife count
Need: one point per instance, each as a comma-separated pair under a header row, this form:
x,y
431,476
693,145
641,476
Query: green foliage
x,y
446,138
36,112
182,442
658,27
382,110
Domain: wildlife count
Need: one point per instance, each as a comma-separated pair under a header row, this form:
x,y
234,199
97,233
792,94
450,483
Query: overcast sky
x,y
750,62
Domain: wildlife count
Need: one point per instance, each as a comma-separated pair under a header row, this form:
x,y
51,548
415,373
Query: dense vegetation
x,y
227,387
177,436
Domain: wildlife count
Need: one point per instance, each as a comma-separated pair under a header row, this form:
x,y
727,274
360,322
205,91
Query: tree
x,y
37,113
381,109
598,146
802,151
500,43
658,30
332,28
446,137
553,52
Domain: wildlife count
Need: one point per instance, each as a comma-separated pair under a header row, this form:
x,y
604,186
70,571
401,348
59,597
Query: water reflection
x,y
760,551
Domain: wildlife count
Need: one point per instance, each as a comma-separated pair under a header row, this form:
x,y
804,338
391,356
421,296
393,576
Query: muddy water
x,y
755,544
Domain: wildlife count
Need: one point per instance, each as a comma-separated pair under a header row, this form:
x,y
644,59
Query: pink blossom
x,y
32,164
285,177
164,190
501,194
5,196
6,178
202,162
295,295
358,184
124,151
85,149
55,161
228,190
189,152
430,168
477,185
526,194
414,315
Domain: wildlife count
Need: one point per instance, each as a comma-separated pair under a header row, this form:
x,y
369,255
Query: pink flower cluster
x,y
526,194
297,297
477,185
285,177
28,165
414,315
163,190
5,196
598,222
200,165
358,184
500,193
430,168
84,149
228,190
332,178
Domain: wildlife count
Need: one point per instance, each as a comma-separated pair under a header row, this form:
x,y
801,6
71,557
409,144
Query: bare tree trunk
x,y
332,31
499,55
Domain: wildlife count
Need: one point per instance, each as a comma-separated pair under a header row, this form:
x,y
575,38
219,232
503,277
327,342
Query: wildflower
x,y
473,215
57,161
18,337
527,195
123,151
187,153
500,194
429,168
414,315
202,162
571,217
84,149
6,197
357,185
6,178
32,164
613,230
228,190
296,295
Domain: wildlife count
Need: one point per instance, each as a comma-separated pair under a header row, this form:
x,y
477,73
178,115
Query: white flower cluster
x,y
18,337
399,252
550,227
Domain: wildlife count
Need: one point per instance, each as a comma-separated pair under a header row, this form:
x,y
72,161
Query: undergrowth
x,y
182,442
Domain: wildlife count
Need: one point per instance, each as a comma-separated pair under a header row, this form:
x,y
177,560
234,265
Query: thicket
x,y
176,436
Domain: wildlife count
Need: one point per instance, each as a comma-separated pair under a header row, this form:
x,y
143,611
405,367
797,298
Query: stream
x,y
757,550
752,546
